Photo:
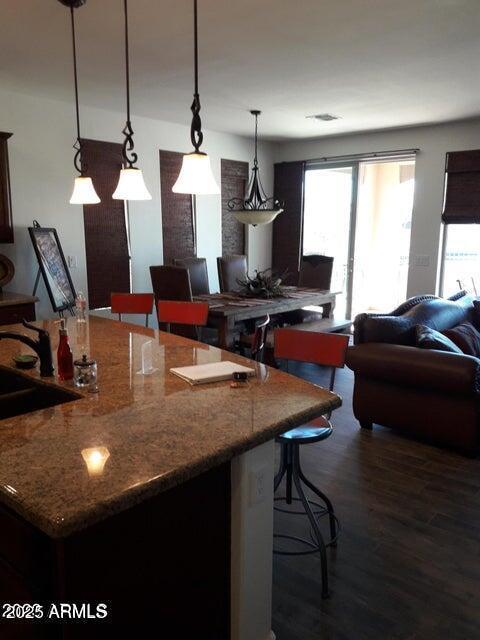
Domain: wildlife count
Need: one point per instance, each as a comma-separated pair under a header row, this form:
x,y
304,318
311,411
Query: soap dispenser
x,y
64,355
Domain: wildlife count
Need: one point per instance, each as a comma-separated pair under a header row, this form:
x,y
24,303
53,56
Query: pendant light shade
x,y
257,208
196,176
83,190
131,185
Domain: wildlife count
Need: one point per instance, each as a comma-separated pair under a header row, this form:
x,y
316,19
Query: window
x,y
360,214
461,258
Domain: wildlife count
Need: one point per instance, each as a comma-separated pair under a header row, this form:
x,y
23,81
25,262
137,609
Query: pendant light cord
x,y
255,160
196,134
77,161
129,156
195,45
127,59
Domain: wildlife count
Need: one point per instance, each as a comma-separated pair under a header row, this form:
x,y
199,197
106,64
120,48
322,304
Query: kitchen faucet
x,y
42,346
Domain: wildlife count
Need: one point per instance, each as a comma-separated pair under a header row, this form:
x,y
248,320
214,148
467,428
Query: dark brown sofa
x,y
428,393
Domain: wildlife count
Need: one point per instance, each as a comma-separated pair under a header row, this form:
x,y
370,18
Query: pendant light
x,y
131,185
83,189
257,207
196,175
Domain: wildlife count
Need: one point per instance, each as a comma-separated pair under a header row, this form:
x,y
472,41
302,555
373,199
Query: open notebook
x,y
211,372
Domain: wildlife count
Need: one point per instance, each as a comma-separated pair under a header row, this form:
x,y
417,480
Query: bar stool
x,y
328,349
132,303
256,341
177,312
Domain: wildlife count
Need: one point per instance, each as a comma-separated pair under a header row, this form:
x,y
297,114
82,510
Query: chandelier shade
x,y
256,208
84,191
196,175
131,186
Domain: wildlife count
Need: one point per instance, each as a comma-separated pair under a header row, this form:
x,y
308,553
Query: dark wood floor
x,y
407,565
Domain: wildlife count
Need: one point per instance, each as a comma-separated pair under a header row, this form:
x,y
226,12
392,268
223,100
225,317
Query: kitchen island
x,y
151,495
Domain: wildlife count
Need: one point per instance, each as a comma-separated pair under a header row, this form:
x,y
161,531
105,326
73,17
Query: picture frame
x,y
53,267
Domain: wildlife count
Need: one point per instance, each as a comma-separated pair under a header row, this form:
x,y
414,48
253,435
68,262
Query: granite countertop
x,y
155,431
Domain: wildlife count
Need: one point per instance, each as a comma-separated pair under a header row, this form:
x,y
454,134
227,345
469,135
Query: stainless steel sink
x,y
21,394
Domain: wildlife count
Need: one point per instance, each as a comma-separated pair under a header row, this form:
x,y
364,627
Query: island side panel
x,y
252,543
164,564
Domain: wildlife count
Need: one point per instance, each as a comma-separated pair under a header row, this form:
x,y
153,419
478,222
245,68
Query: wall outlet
x,y
422,261
258,485
72,262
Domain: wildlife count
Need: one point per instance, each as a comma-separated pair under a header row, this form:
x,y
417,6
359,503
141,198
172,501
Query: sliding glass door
x,y
329,224
360,214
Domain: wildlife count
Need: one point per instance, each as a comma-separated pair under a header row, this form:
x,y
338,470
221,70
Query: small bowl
x,y
26,361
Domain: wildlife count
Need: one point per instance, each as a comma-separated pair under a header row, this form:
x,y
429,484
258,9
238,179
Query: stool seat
x,y
315,431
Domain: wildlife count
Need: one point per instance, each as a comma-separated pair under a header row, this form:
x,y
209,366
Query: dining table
x,y
228,310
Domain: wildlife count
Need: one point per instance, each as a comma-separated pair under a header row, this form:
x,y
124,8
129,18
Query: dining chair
x,y
132,303
256,341
197,268
176,312
316,272
327,349
231,269
171,283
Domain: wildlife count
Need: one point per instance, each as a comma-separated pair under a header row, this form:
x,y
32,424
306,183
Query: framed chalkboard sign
x,y
53,267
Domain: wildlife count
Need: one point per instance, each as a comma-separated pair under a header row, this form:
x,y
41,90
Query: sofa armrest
x,y
411,366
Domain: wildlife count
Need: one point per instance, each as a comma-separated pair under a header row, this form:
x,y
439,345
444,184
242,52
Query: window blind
x,y
106,237
287,237
462,188
234,183
177,221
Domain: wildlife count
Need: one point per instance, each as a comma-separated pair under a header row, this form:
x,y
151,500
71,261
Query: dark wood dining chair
x,y
328,349
132,303
316,272
197,268
231,269
178,313
171,283
255,342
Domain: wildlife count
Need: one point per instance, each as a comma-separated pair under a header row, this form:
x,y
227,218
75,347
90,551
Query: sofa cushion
x,y
438,314
476,314
466,337
427,338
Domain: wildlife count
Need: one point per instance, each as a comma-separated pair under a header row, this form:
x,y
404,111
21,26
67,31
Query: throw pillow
x,y
427,338
466,337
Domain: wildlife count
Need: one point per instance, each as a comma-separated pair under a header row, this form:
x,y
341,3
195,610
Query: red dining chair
x,y
177,312
132,303
328,349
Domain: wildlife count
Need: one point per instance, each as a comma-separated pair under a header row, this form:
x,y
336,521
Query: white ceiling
x,y
374,63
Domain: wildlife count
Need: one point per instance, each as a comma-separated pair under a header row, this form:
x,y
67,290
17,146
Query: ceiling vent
x,y
326,117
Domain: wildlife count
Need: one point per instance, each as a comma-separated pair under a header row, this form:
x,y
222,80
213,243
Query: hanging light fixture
x,y
131,185
257,207
83,189
196,175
